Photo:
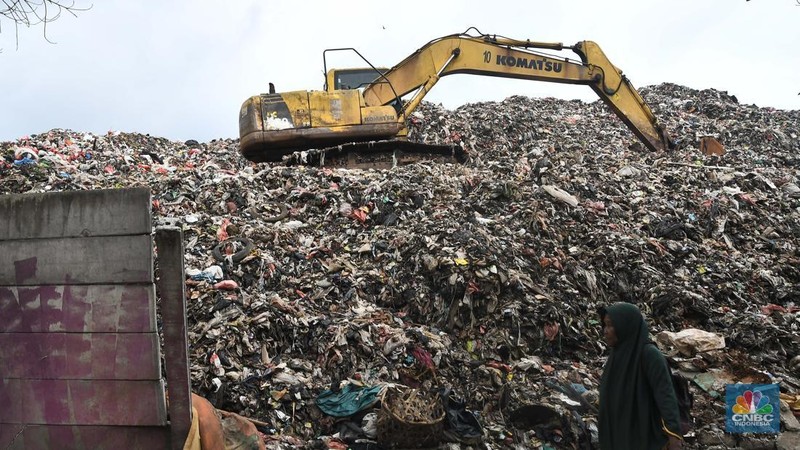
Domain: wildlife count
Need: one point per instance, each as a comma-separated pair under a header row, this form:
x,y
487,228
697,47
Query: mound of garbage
x,y
458,303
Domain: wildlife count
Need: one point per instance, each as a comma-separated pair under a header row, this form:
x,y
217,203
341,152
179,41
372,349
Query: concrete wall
x,y
79,350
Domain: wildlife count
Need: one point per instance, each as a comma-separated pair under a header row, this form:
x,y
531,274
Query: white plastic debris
x,y
562,195
692,341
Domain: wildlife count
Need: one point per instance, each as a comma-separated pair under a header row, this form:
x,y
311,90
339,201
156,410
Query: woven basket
x,y
410,418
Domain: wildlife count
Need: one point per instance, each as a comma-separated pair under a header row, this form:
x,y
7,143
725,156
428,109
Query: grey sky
x,y
180,69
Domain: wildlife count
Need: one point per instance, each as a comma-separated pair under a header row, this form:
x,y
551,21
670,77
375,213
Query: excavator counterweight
x,y
355,122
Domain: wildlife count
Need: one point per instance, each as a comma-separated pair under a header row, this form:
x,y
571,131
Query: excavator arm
x,y
339,122
509,58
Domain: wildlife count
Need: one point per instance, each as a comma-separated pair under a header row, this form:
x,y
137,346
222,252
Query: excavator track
x,y
377,155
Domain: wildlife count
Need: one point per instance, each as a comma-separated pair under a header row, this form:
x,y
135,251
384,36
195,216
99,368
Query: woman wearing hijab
x,y
638,407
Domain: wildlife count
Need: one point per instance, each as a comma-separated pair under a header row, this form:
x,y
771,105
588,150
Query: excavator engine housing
x,y
272,126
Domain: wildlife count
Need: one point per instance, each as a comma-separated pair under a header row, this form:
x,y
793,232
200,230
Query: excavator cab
x,y
358,78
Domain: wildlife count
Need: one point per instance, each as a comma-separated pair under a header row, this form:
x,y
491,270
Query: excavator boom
x,y
274,125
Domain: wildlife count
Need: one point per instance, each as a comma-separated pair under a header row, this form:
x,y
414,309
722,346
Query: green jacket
x,y
638,407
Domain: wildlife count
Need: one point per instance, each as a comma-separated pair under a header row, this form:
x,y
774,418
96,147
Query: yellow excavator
x,y
360,118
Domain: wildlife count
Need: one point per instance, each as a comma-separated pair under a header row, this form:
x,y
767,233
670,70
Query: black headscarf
x,y
629,416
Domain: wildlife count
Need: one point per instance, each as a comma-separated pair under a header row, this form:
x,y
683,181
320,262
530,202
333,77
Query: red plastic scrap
x,y
424,358
770,308
498,365
359,215
596,206
551,330
747,198
222,231
547,262
227,285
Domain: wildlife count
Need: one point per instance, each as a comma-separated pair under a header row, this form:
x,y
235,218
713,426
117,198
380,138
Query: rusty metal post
x,y
169,245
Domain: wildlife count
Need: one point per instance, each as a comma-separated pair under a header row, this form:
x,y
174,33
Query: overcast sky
x,y
180,69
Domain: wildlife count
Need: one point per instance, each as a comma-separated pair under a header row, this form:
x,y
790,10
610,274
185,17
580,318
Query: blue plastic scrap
x,y
348,400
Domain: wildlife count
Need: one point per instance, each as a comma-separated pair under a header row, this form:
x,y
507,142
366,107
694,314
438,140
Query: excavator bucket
x,y
378,155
